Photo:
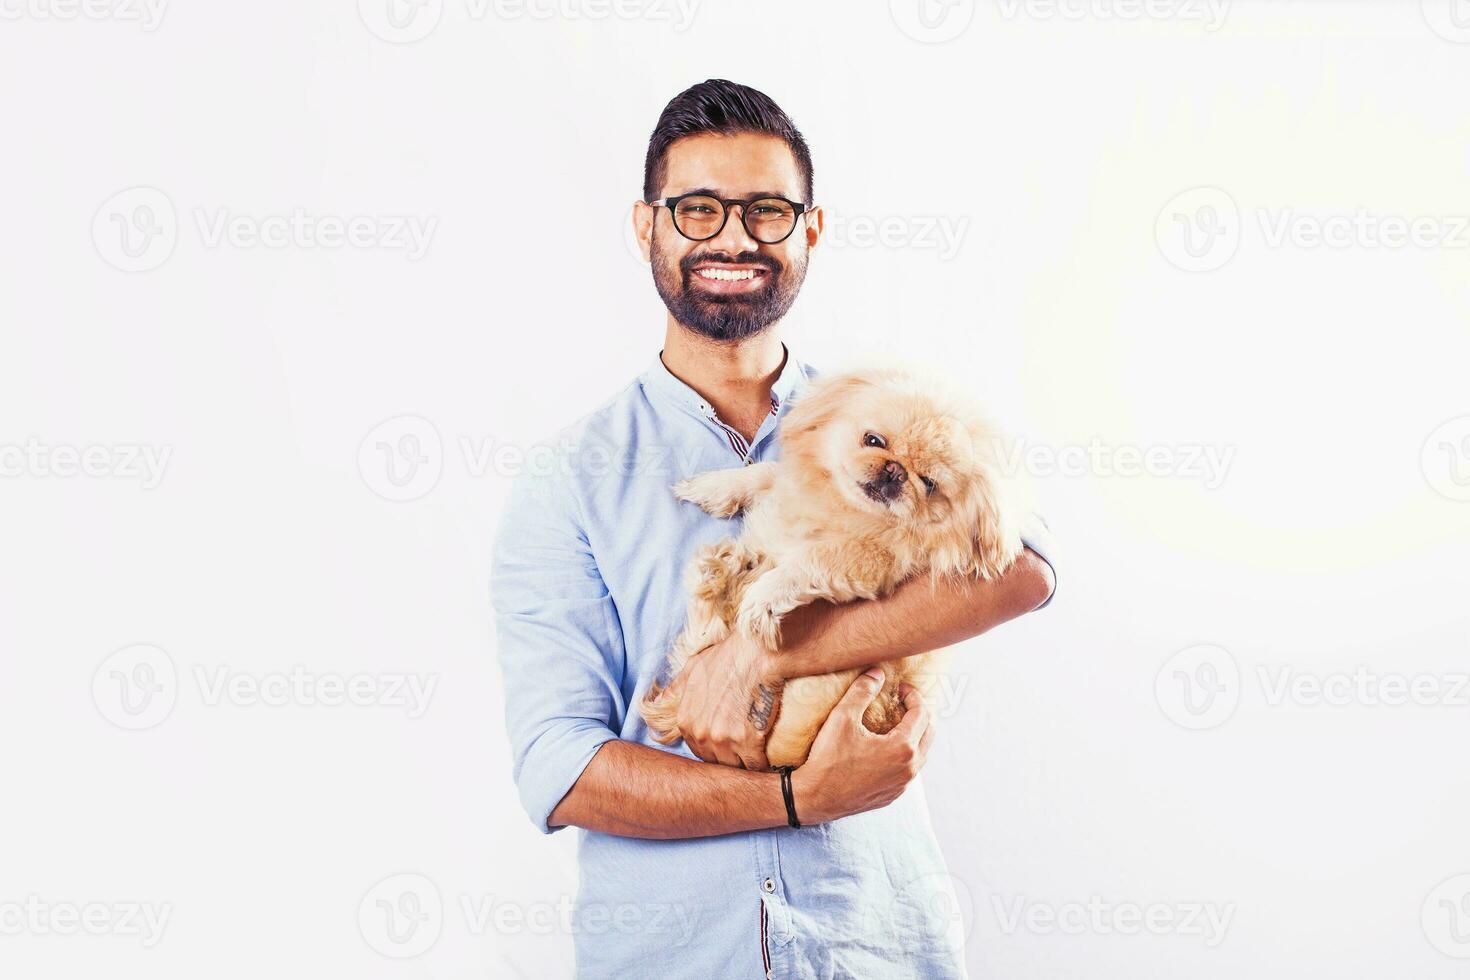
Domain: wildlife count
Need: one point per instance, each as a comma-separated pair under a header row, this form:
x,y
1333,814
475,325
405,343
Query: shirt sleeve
x,y
1037,536
559,642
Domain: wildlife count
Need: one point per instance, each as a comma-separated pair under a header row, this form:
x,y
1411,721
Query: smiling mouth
x,y
729,279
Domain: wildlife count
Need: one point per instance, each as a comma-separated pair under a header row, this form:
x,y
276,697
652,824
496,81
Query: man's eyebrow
x,y
717,193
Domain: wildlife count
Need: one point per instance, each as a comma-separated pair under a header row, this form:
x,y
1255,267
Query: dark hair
x,y
720,106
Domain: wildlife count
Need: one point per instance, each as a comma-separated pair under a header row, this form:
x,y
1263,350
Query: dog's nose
x,y
894,473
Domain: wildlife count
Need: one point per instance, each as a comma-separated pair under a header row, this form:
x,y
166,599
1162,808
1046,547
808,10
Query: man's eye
x,y
696,209
874,439
929,484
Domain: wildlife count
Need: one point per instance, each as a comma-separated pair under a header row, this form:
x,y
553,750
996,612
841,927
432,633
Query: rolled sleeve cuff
x,y
1037,538
553,766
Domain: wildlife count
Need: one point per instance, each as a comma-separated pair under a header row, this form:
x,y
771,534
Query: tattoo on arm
x,y
760,707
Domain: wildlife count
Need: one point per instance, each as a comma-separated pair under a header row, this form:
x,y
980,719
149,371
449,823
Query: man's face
x,y
695,278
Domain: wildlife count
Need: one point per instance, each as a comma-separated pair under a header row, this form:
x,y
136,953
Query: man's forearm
x,y
917,617
635,791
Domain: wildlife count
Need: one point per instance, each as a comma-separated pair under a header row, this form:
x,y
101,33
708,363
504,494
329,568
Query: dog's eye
x,y
874,439
929,484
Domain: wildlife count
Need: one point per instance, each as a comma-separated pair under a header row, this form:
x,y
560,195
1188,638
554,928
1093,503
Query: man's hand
x,y
730,696
850,769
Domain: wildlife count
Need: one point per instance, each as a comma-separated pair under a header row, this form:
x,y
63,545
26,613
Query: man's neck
x,y
735,378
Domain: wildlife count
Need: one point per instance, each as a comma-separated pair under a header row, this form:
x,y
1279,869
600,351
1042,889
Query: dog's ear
x,y
824,397
992,504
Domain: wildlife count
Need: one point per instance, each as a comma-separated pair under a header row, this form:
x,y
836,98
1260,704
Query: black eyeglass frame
x,y
672,202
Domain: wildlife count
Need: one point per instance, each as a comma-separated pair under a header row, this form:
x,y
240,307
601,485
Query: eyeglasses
x,y
700,217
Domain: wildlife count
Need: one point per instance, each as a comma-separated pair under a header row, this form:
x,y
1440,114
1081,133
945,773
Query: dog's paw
x,y
711,492
761,623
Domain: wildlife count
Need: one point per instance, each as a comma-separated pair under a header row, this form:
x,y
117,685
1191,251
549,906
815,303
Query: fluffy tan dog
x,y
884,474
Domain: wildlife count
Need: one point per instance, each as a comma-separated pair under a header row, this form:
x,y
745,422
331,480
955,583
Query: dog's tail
x,y
660,709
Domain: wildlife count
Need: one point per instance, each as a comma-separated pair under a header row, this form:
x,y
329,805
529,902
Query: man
x,y
688,865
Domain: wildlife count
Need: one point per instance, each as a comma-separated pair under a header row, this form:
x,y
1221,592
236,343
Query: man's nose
x,y
733,238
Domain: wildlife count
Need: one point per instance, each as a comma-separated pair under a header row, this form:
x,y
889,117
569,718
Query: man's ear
x,y
642,218
813,227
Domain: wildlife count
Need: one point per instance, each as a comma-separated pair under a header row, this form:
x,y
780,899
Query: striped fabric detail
x,y
765,950
736,440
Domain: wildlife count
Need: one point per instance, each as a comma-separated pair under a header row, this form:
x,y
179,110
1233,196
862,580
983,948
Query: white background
x,y
1075,767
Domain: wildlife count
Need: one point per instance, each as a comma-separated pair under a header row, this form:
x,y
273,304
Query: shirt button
x,y
769,885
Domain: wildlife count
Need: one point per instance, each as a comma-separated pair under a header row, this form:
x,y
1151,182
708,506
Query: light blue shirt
x,y
588,589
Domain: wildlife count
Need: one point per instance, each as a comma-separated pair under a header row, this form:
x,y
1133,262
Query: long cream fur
x,y
811,533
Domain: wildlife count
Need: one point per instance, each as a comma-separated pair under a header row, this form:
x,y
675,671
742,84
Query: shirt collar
x,y
658,379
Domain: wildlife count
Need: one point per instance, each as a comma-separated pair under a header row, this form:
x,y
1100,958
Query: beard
x,y
725,318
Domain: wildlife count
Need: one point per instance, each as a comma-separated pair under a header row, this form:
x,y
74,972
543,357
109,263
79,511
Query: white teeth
x,y
728,275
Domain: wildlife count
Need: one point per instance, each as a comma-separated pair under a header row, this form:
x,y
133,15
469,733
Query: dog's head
x,y
895,447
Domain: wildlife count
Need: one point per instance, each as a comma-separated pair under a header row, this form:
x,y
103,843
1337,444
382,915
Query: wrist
x,y
766,665
806,796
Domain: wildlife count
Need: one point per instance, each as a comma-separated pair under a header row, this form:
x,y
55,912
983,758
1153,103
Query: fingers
x,y
727,750
755,761
860,693
701,750
917,719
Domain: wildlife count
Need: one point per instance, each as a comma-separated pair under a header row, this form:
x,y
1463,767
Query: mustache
x,y
688,262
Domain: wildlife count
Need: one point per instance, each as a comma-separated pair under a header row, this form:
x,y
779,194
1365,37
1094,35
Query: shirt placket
x,y
770,889
737,441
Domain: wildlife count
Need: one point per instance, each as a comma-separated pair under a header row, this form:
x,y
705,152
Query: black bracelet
x,y
785,772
